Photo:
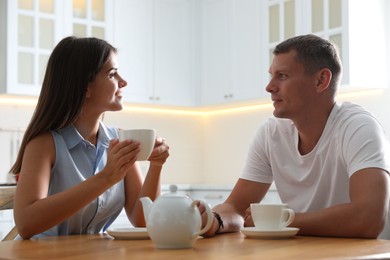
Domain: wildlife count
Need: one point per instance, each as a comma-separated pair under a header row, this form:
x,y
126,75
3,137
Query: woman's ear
x,y
323,79
88,93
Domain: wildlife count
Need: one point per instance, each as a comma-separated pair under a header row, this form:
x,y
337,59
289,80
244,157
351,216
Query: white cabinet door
x,y
230,51
174,48
215,51
133,36
365,45
32,29
156,50
248,77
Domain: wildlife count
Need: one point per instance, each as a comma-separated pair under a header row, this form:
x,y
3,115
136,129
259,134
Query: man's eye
x,y
283,76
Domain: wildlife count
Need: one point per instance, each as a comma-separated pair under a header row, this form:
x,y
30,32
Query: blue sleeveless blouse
x,y
76,161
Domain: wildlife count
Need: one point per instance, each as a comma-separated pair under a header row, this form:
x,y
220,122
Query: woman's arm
x,y
36,212
137,188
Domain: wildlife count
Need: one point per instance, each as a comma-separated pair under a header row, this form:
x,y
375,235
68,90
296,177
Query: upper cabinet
x,y
192,52
365,44
33,27
356,27
230,43
156,40
238,37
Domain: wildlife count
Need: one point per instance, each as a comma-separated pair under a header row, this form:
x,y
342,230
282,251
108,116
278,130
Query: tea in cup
x,y
271,216
146,138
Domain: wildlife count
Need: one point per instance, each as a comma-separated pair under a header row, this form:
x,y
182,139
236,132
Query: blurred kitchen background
x,y
196,70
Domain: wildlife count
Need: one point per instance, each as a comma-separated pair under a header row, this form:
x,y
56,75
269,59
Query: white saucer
x,y
254,232
128,233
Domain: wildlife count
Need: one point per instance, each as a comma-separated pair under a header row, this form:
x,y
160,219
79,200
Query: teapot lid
x,y
173,192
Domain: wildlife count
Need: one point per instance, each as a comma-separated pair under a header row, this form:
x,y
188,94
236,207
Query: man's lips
x,y
276,99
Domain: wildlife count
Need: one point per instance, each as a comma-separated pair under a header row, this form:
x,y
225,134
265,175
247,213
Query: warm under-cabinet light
x,y
201,111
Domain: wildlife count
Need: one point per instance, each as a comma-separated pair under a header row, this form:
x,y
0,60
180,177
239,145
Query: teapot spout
x,y
146,206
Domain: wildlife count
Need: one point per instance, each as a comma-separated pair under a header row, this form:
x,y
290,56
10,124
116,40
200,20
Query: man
x,y
329,161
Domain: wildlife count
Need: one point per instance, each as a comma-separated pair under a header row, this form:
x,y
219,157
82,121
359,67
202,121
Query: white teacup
x,y
146,137
271,216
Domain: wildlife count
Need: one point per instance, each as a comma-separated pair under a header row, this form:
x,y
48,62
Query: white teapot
x,y
173,220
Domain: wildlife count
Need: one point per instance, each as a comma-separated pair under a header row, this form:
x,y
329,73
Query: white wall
x,y
183,133
204,148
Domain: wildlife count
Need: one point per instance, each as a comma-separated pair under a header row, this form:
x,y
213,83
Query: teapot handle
x,y
210,217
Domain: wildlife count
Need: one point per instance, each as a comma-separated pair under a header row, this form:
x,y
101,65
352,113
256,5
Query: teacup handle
x,y
210,218
291,216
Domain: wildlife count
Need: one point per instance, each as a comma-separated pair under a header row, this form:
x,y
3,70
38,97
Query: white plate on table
x,y
253,232
128,233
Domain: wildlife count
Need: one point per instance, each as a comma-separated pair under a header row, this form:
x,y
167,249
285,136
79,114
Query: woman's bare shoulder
x,y
41,143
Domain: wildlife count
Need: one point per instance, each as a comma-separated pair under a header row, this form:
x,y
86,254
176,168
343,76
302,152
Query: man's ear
x,y
324,76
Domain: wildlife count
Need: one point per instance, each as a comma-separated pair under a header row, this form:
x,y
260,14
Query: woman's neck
x,y
88,129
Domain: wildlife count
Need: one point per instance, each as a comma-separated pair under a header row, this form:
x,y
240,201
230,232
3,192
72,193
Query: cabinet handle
x,y
151,98
213,197
157,98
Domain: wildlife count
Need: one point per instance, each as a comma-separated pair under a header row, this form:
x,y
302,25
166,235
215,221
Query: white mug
x,y
146,137
271,216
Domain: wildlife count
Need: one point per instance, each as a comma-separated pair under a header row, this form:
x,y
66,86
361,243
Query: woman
x,y
75,176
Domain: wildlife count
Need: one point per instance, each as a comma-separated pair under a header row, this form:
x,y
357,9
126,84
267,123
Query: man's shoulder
x,y
351,108
348,111
352,117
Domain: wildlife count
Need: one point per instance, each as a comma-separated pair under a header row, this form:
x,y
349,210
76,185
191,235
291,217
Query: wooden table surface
x,y
227,246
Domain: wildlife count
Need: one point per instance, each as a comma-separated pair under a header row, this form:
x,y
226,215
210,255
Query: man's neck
x,y
310,130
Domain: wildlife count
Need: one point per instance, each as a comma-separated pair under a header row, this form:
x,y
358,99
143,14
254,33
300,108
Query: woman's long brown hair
x,y
73,64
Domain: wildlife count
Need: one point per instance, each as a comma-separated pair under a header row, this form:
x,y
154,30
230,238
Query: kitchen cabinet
x,y
192,52
33,27
10,140
6,222
157,50
238,37
351,25
230,51
365,43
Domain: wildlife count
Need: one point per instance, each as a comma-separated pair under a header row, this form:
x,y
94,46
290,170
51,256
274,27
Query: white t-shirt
x,y
352,140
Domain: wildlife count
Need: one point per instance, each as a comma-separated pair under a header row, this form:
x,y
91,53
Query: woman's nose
x,y
122,82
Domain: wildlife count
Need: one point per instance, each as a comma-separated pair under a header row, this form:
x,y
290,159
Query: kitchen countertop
x,y
206,186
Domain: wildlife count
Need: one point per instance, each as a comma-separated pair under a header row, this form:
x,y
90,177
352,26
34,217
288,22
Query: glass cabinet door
x,y
89,18
287,18
35,40
34,27
281,22
326,18
326,21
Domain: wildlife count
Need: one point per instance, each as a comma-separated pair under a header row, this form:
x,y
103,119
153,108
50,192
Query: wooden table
x,y
227,246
